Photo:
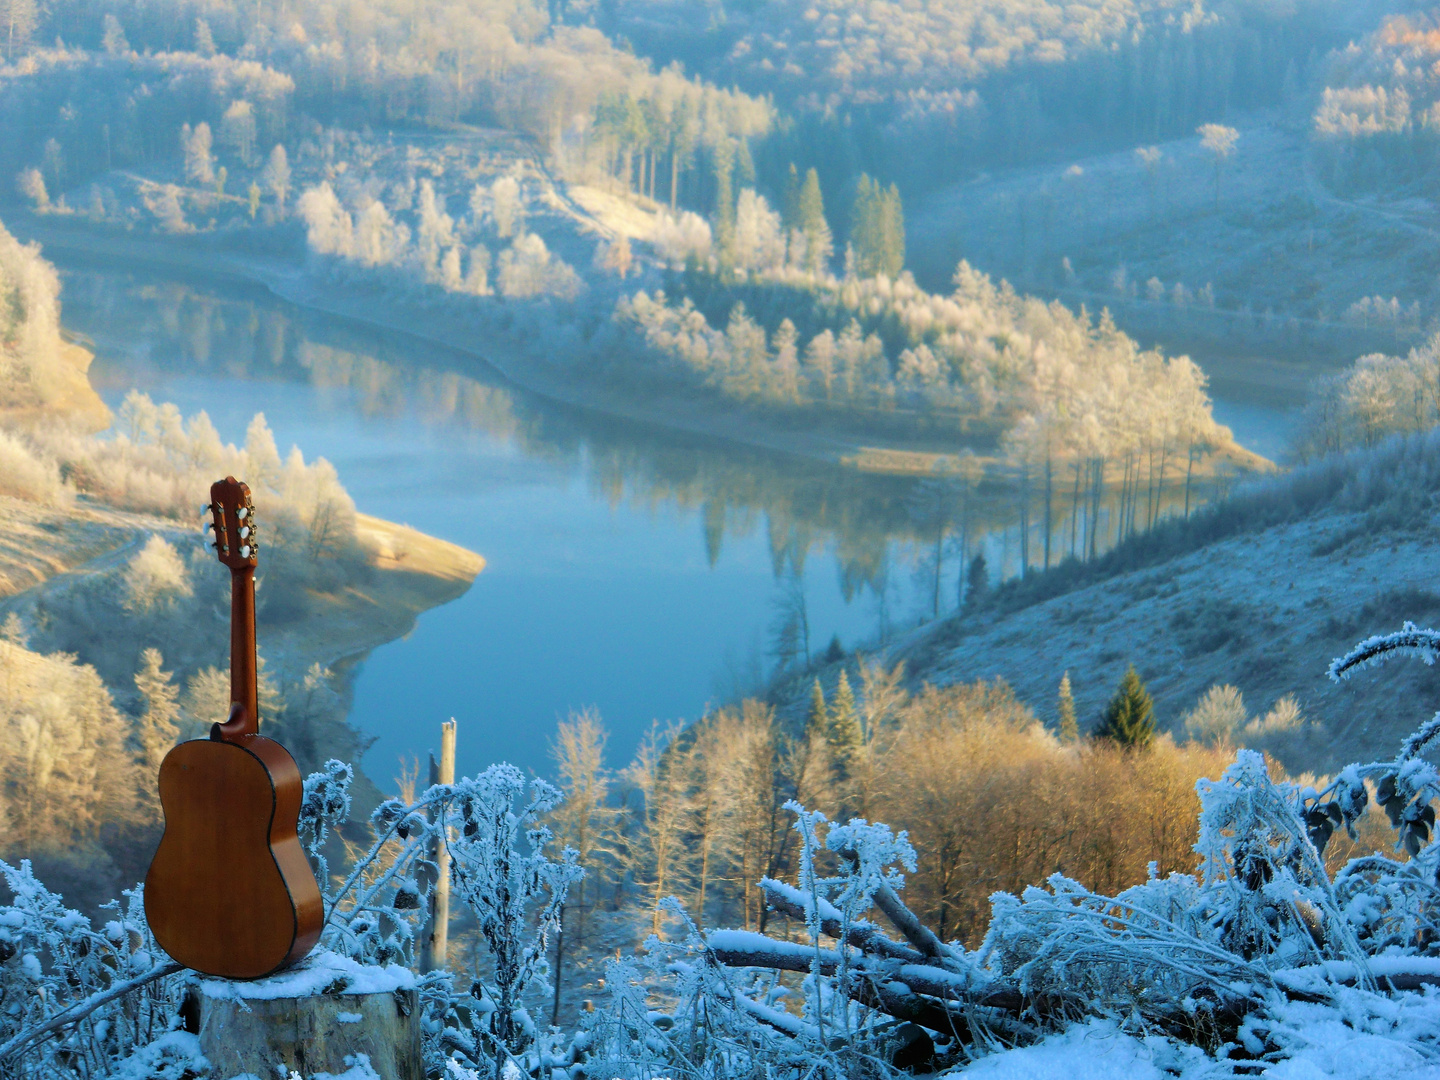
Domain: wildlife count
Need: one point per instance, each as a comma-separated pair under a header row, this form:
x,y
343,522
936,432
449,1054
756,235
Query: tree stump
x,y
318,1017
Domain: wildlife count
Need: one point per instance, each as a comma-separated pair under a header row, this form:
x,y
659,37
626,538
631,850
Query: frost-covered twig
x,y
1408,640
81,1009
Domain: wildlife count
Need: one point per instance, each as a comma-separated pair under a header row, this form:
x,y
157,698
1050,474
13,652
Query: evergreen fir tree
x,y
818,719
864,227
1130,717
890,258
877,229
724,216
843,733
790,208
810,207
1069,728
977,581
159,725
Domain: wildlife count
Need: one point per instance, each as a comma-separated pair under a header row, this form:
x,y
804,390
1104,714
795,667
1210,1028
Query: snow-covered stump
x,y
326,1015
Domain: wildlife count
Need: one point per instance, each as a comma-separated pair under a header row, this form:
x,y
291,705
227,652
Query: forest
x,y
996,275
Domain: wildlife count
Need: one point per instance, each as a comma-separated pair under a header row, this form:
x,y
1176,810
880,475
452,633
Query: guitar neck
x,y
244,682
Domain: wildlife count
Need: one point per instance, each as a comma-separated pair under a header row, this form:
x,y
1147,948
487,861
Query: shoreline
x,y
713,420
413,572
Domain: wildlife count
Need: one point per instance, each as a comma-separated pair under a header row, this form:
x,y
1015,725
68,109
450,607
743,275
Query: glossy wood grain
x,y
229,892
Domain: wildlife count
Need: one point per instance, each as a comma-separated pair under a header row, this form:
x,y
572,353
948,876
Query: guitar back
x,y
229,892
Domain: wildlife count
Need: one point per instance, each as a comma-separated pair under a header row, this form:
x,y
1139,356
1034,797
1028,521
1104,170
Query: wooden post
x,y
437,940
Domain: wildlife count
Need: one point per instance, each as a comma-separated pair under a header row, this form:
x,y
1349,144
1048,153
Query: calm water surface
x,y
628,568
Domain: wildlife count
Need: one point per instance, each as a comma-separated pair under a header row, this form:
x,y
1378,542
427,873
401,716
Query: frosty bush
x,y
1239,963
156,576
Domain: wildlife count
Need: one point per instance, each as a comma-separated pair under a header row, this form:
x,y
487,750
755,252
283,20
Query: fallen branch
x,y
865,936
913,930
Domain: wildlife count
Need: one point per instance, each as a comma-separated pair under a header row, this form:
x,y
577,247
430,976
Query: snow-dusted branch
x,y
1409,640
81,1009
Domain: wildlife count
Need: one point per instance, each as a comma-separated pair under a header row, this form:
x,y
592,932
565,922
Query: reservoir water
x,y
629,569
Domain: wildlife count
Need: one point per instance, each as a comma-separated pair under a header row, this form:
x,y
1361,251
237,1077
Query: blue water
x,y
589,597
627,569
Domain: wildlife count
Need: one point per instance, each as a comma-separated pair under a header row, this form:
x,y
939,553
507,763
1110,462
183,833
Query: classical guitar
x,y
229,892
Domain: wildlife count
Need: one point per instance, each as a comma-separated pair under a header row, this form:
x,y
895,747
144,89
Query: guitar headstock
x,y
233,520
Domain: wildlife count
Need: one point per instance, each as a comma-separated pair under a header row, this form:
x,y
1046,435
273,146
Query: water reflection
x,y
589,522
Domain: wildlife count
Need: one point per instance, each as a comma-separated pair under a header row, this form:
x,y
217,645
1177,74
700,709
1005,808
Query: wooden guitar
x,y
229,892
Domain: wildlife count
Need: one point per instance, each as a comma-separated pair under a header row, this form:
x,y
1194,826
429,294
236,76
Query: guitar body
x,y
229,892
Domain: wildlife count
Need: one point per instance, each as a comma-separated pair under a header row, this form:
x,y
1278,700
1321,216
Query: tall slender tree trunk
x,y
674,178
1098,495
1049,489
1189,472
1075,511
1024,520
939,566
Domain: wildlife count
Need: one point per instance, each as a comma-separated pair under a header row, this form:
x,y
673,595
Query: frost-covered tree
x,y
31,184
156,578
1220,141
195,147
277,175
158,728
113,39
237,130
507,208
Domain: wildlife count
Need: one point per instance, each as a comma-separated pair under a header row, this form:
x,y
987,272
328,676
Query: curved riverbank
x,y
708,418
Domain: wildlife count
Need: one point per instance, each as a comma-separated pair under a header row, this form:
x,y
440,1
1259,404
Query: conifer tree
x,y
1130,717
977,581
843,733
1069,728
810,207
724,217
159,725
790,208
877,229
817,721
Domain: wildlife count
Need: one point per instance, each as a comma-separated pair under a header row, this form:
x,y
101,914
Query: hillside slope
x,y
1262,609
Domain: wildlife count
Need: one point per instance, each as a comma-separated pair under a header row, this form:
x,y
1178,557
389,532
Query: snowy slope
x,y
1263,611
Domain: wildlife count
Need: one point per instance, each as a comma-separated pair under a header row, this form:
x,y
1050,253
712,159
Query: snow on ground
x,y
622,216
1286,258
1327,1049
1265,612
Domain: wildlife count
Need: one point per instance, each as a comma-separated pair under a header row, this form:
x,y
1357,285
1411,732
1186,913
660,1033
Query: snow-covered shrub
x,y
25,474
1244,963
54,964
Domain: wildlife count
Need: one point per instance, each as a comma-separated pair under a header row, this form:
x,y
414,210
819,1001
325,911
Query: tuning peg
x,y
204,509
244,531
205,528
243,513
245,551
